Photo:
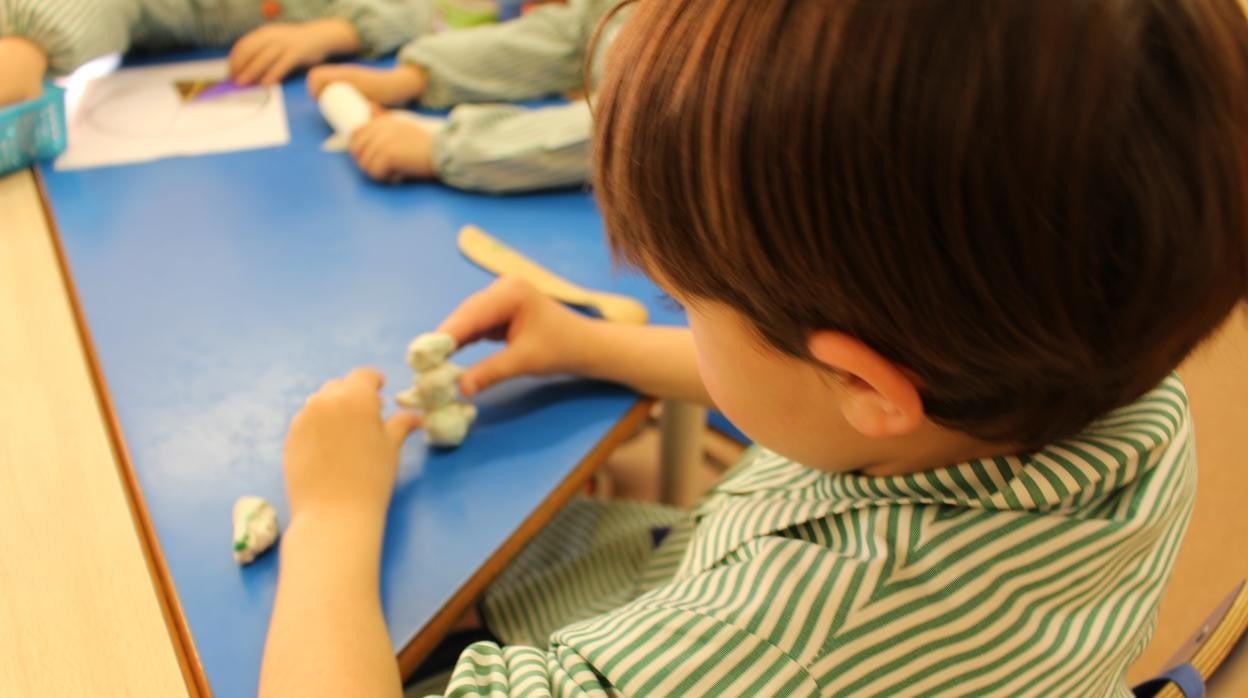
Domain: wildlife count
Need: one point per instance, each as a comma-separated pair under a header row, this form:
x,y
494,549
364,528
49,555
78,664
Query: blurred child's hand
x,y
22,65
341,457
269,53
390,149
542,335
389,86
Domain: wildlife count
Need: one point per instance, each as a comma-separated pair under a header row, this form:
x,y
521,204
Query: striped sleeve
x,y
637,650
534,56
383,25
504,148
485,669
71,32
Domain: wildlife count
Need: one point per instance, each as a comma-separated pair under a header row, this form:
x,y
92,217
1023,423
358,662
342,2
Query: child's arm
x,y
384,25
327,635
537,55
502,148
544,338
267,54
493,148
67,32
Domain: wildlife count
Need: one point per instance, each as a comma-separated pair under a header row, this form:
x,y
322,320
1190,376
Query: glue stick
x,y
344,108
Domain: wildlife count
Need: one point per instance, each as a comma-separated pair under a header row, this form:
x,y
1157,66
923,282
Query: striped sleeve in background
x,y
505,148
1026,575
498,147
537,55
384,25
71,32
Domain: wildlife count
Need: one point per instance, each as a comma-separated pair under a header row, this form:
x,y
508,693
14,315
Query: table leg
x,y
682,425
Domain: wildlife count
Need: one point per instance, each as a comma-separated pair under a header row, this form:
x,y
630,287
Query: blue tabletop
x,y
220,291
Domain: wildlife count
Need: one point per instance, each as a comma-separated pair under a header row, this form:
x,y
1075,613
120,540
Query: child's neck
x,y
931,449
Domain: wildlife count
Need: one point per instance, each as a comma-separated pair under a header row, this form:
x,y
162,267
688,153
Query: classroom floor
x,y
633,470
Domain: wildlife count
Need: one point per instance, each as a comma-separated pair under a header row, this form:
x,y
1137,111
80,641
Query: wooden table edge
x,y
193,674
434,631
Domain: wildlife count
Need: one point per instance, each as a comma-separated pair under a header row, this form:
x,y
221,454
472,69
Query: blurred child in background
x,y
270,38
486,147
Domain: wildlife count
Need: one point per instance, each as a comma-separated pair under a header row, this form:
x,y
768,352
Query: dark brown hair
x,y
1037,208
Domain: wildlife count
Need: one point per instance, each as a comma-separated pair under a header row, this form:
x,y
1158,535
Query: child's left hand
x,y
390,148
341,458
268,54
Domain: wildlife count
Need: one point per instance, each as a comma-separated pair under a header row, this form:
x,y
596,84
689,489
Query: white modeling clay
x,y
344,108
449,425
255,528
409,398
432,389
439,387
429,350
435,390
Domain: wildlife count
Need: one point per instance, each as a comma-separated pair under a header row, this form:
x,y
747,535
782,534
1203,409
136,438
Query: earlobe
x,y
881,401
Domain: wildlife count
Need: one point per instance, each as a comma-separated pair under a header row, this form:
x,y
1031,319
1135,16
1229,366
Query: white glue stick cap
x,y
344,108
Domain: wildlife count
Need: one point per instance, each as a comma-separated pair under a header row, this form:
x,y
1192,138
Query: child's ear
x,y
881,400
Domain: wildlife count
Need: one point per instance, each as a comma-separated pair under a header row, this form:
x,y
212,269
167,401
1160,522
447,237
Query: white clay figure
x,y
448,426
409,398
429,350
432,389
255,528
435,390
439,387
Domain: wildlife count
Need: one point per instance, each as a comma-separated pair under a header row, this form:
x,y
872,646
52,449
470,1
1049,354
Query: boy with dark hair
x,y
939,260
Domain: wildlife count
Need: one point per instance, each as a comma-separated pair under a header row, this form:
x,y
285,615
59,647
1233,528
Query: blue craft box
x,y
33,130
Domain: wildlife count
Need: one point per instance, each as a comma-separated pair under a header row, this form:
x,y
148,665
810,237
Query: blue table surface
x,y
221,290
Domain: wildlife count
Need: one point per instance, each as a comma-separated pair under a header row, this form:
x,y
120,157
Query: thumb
x,y
399,425
493,369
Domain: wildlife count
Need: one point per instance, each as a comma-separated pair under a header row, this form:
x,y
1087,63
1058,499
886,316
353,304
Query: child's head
x,y
903,219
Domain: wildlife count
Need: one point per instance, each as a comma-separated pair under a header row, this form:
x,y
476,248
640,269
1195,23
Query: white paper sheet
x,y
137,115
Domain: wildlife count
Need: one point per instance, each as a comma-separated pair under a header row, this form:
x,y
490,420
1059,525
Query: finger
x,y
242,53
369,164
494,369
381,170
362,139
315,77
320,77
255,67
400,425
329,387
281,68
365,377
482,312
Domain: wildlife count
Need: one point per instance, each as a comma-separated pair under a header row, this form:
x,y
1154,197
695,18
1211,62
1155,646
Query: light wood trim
x,y
188,658
428,638
80,613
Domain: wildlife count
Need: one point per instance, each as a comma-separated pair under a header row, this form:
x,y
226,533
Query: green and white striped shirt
x,y
1037,574
72,32
501,147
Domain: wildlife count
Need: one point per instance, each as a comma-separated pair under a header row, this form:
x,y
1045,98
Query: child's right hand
x,y
267,54
391,87
543,336
22,65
